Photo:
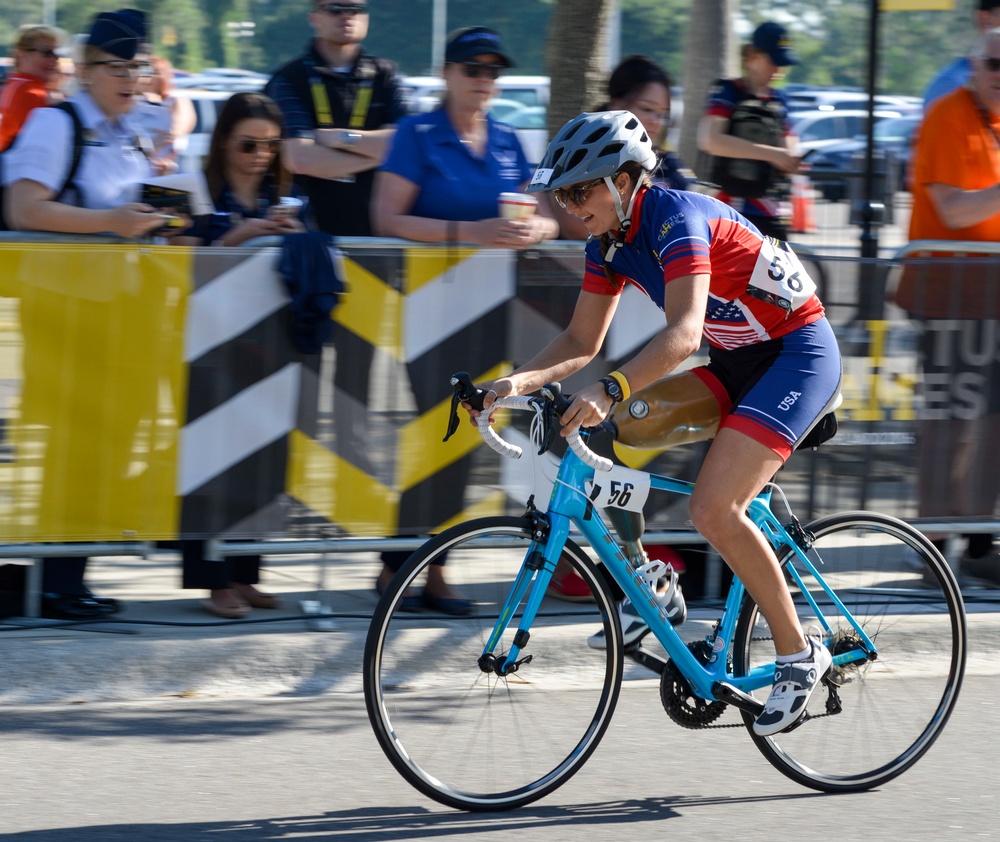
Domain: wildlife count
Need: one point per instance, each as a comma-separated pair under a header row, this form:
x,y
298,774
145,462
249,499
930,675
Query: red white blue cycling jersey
x,y
758,290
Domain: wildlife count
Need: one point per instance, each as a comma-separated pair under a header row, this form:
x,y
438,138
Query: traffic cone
x,y
803,205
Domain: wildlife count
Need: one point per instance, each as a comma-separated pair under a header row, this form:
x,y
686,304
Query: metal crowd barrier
x,y
223,431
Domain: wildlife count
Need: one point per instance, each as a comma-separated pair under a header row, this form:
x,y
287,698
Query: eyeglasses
x,y
481,70
577,195
125,69
991,64
248,145
338,9
49,54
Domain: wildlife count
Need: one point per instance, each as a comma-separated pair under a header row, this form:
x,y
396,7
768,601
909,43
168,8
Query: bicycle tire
x,y
901,590
470,739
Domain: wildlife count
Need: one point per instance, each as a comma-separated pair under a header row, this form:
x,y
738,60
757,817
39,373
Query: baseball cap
x,y
120,33
471,41
772,38
988,5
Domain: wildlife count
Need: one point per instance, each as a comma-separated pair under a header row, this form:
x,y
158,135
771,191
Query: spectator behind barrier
x,y
36,68
245,177
166,117
956,170
441,183
957,73
340,104
446,169
638,84
764,61
101,198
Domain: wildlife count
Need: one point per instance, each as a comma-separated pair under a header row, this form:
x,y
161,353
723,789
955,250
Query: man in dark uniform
x,y
340,105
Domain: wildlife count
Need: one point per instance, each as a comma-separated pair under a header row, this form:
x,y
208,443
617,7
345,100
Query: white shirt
x,y
111,167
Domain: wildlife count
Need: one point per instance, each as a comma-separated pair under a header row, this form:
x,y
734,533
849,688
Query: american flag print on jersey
x,y
674,234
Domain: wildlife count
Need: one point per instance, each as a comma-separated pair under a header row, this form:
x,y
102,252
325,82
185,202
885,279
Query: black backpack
x,y
74,165
759,121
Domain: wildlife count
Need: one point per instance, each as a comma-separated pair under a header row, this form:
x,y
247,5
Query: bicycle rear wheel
x,y
900,589
467,737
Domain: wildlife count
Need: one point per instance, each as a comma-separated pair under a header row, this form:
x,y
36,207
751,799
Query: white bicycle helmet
x,y
591,146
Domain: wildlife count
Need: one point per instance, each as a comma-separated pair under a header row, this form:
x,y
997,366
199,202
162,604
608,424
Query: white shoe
x,y
633,626
793,685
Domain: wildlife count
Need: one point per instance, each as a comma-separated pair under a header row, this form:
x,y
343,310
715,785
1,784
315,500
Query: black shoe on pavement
x,y
58,606
984,570
113,606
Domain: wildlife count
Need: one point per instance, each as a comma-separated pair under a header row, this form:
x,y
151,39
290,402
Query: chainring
x,y
680,702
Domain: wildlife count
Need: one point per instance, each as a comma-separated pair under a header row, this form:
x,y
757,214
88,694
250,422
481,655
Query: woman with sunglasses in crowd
x,y
245,177
446,169
36,66
442,183
246,182
773,367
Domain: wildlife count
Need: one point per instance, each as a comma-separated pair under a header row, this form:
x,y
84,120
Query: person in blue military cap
x,y
77,169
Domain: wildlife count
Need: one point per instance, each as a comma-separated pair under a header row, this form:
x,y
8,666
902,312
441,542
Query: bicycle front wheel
x,y
891,707
461,734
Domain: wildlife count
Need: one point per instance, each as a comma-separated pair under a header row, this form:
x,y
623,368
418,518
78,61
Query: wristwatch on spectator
x,y
349,138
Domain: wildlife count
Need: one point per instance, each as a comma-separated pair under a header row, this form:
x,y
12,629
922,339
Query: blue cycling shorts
x,y
775,391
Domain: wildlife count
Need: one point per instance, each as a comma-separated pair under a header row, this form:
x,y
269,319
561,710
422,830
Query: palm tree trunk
x,y
577,58
710,55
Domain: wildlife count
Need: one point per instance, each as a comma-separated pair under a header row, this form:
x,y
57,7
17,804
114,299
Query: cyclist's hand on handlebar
x,y
493,389
589,408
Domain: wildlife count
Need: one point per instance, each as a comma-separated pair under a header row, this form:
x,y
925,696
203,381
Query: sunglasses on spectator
x,y
992,64
338,9
125,69
49,54
248,145
577,195
481,70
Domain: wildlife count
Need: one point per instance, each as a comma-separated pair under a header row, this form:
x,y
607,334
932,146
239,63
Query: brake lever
x,y
556,404
464,392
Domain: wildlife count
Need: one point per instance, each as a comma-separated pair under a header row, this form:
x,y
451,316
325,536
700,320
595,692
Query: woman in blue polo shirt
x,y
446,169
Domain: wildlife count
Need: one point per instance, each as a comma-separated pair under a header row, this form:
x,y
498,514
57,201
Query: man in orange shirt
x,y
956,196
36,64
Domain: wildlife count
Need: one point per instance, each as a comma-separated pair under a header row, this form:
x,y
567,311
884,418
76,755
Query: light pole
x,y
439,31
49,12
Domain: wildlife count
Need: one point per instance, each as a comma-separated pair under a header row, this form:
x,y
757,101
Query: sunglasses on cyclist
x,y
577,194
338,9
49,54
125,69
248,145
992,64
482,70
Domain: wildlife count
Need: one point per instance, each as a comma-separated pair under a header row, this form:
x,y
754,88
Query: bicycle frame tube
x,y
569,503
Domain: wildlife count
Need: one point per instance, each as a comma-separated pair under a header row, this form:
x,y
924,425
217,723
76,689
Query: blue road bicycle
x,y
497,709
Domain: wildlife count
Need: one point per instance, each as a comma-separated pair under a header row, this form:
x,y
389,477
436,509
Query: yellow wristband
x,y
622,381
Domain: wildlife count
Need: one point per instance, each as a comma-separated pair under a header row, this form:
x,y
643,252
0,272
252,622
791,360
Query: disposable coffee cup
x,y
517,205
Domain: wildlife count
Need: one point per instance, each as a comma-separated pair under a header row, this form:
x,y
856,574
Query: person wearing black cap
x,y
99,199
745,129
446,169
340,104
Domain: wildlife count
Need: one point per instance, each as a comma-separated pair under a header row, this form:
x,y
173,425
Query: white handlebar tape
x,y
587,456
491,437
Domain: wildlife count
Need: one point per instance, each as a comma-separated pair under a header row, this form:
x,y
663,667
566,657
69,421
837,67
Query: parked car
x,y
818,129
207,105
821,99
222,79
830,168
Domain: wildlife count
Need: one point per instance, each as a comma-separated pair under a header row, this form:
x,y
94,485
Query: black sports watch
x,y
612,389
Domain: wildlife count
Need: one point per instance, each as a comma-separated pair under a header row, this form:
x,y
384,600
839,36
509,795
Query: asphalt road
x,y
309,768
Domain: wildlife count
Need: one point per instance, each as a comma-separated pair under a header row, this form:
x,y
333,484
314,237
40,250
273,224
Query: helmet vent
x,y
597,134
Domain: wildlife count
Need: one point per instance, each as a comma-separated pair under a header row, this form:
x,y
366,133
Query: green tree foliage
x,y
830,35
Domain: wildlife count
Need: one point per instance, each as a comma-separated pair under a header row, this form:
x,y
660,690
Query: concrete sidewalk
x,y
165,644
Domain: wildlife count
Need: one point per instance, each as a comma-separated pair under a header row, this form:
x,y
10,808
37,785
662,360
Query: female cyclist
x,y
774,366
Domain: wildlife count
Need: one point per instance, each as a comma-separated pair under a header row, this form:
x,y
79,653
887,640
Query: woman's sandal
x,y
254,597
233,611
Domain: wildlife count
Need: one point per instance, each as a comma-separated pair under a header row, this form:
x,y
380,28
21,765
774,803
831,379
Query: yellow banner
x,y
917,5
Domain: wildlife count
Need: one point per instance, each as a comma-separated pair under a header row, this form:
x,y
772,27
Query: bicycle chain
x,y
675,692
